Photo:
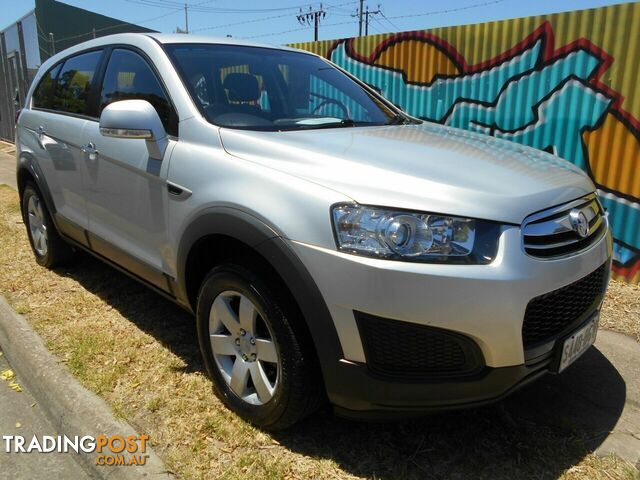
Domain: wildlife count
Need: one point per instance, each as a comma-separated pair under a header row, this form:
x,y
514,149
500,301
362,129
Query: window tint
x,y
129,77
74,83
42,93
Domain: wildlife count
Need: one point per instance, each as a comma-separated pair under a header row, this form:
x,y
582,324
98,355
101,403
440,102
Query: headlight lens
x,y
420,237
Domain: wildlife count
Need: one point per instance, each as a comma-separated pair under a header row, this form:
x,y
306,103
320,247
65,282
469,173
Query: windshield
x,y
268,89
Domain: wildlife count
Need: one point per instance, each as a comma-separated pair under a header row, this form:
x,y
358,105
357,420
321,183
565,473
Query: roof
x,y
188,38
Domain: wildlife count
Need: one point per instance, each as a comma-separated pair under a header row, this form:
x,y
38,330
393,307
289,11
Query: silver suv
x,y
328,244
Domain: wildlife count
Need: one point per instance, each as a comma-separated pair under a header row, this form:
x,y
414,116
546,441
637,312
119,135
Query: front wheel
x,y
259,368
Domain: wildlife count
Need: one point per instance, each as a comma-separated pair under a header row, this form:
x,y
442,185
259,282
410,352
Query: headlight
x,y
413,236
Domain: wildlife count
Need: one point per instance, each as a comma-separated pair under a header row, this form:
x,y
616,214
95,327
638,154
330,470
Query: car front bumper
x,y
484,303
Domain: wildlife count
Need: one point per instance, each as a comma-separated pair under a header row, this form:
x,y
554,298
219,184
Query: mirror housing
x,y
135,119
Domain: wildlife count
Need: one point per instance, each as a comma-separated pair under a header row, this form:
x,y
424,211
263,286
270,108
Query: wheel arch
x,y
29,170
242,233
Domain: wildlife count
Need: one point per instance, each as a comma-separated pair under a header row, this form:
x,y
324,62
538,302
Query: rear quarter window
x,y
42,94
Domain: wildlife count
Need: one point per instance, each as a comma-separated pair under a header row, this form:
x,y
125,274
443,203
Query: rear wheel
x,y
259,368
48,247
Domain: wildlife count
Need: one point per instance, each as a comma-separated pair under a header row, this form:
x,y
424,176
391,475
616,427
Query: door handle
x,y
90,150
178,191
40,132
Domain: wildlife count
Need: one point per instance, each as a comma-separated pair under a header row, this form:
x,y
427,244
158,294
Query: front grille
x,y
551,314
403,350
553,233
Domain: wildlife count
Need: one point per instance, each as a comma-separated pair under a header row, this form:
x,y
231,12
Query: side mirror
x,y
135,119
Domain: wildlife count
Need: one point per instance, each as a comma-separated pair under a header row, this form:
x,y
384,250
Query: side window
x,y
42,94
129,77
74,83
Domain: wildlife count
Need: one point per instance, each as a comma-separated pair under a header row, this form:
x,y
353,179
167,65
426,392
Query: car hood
x,y
426,167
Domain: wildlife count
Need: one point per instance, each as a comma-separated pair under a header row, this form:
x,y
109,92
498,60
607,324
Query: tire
x,y
48,247
296,386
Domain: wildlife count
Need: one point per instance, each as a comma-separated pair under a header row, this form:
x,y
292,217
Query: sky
x,y
275,21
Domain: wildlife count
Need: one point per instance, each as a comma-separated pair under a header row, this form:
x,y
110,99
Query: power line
x,y
256,20
450,10
393,25
312,16
200,8
359,13
103,29
377,29
262,19
379,22
296,30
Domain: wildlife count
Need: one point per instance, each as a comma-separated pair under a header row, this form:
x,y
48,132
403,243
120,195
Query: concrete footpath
x,y
22,415
8,164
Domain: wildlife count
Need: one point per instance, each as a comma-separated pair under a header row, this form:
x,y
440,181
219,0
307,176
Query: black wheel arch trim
x,y
268,243
27,163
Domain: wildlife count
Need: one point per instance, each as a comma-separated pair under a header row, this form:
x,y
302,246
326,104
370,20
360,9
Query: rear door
x,y
126,190
61,108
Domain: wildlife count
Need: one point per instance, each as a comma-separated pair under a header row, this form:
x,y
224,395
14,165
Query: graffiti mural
x,y
535,92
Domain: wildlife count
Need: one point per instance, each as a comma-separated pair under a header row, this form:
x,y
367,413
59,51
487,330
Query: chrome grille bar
x,y
555,232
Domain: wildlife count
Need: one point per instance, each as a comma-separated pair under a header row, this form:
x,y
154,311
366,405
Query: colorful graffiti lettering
x,y
533,93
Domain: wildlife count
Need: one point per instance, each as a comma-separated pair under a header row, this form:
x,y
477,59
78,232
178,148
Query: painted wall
x,y
566,83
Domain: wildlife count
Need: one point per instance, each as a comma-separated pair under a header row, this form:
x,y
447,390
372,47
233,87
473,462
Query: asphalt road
x,y
21,415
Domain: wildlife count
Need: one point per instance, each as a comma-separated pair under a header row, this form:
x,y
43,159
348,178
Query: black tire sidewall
x,y
235,277
31,191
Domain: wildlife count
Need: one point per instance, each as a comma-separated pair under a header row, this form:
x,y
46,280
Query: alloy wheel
x,y
37,225
244,347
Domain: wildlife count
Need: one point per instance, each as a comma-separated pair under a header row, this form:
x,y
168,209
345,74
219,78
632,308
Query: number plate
x,y
579,342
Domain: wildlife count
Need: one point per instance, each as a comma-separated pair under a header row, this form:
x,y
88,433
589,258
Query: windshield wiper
x,y
399,119
345,122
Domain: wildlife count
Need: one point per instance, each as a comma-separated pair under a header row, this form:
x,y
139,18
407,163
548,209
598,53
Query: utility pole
x,y
186,18
312,16
367,13
360,18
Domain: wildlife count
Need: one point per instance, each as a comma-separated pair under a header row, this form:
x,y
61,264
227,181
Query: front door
x,y
126,190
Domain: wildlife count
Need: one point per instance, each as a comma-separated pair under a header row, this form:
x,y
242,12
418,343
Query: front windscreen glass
x,y
268,89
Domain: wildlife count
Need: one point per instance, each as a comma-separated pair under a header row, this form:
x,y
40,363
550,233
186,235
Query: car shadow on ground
x,y
538,432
